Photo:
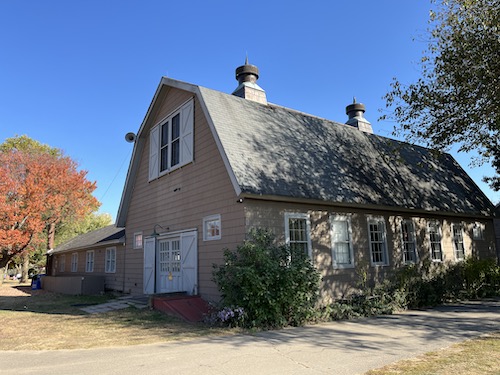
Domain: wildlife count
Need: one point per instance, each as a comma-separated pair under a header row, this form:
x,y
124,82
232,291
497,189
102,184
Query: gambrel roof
x,y
273,152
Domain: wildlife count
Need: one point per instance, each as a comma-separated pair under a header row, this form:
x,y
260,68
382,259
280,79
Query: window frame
x,y
138,244
347,219
161,142
478,231
404,242
89,261
207,236
110,260
300,216
74,262
378,220
438,232
456,239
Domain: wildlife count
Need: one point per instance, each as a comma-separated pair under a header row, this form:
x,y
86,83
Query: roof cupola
x,y
355,113
247,76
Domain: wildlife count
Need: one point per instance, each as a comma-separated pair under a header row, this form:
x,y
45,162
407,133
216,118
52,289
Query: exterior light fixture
x,y
155,233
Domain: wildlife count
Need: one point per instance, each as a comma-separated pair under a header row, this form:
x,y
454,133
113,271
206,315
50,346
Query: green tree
x,y
457,99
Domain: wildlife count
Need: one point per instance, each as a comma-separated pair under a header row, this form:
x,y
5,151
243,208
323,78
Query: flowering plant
x,y
231,316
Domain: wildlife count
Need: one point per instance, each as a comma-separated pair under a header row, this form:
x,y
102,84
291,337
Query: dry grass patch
x,y
37,320
479,356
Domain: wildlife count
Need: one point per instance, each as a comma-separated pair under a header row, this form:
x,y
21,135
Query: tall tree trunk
x,y
4,266
25,267
51,231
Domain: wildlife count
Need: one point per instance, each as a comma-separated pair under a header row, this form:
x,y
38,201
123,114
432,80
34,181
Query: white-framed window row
x,y
457,237
478,231
171,141
89,261
138,238
341,237
435,239
110,260
377,239
409,241
298,232
74,262
212,228
62,263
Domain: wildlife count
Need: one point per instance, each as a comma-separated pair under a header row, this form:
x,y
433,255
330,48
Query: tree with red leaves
x,y
38,189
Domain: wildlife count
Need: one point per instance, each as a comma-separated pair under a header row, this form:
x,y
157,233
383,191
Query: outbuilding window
x,y
89,261
110,260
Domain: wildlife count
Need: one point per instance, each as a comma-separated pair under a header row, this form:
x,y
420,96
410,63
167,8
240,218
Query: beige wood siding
x,y
337,283
113,281
181,199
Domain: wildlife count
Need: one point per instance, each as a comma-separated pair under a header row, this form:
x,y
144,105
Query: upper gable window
x,y
171,141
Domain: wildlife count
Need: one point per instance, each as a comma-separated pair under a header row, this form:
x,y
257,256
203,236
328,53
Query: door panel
x,y
149,265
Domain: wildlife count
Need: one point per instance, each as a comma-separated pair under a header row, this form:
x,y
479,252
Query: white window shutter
x,y
186,133
154,148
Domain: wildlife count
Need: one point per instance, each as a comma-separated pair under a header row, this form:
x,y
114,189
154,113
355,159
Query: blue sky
x,y
79,75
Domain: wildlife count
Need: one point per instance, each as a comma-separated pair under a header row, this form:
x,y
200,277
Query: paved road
x,y
349,347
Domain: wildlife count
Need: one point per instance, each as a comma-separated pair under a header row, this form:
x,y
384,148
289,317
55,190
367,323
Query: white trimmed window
x,y
212,229
89,261
110,260
171,141
297,231
138,240
478,232
74,262
458,241
408,240
62,263
435,237
340,233
377,241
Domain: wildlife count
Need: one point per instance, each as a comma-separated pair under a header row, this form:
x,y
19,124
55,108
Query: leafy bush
x,y
423,285
275,285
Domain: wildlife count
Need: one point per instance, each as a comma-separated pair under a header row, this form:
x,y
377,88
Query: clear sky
x,y
79,75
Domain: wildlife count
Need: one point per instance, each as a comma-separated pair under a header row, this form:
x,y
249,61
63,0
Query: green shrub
x,y
423,285
275,285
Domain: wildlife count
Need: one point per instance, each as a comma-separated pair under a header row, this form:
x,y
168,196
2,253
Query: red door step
x,y
188,308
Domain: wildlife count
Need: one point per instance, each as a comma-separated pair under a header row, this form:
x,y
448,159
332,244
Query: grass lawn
x,y
472,357
37,320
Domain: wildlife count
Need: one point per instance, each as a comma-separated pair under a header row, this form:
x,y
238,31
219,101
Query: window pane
x,y
175,153
164,134
164,159
175,127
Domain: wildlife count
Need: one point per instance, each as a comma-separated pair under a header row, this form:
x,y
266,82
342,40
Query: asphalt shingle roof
x,y
96,237
277,151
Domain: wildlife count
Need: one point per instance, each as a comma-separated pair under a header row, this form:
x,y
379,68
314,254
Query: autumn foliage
x,y
38,190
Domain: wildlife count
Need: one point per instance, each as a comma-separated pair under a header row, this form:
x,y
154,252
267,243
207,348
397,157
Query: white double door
x,y
170,264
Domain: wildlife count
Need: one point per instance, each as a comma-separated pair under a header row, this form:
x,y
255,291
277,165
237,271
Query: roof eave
x,y
372,207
